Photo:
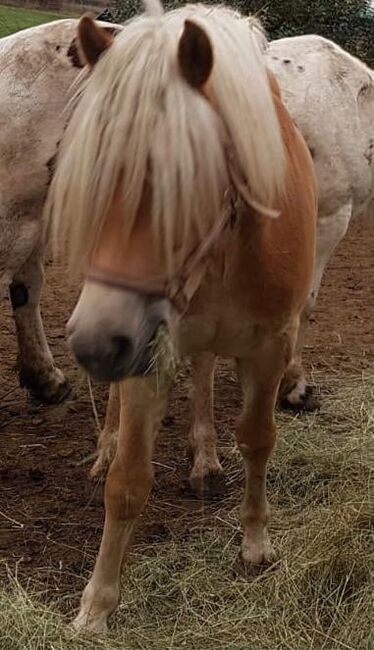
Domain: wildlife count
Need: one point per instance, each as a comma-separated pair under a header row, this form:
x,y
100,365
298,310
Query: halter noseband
x,y
174,288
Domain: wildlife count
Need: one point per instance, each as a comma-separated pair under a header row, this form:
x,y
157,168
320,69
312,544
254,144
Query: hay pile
x,y
182,593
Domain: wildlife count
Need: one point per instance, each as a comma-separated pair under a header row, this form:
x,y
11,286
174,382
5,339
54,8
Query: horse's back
x,y
330,95
34,64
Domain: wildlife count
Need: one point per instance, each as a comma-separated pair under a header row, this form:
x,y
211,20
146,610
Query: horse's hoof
x,y
307,402
209,486
51,388
251,568
53,393
87,624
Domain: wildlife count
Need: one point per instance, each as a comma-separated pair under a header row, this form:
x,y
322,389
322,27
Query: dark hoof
x,y
51,394
307,404
211,486
53,389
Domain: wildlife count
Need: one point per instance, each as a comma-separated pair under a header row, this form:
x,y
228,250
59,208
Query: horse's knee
x,y
127,490
256,439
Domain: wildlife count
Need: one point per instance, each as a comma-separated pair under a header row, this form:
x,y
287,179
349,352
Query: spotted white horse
x,y
37,68
330,96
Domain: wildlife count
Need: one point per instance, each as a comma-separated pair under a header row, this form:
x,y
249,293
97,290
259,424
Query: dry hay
x,y
182,593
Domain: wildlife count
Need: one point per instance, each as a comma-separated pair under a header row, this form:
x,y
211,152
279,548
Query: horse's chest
x,y
221,322
244,298
227,336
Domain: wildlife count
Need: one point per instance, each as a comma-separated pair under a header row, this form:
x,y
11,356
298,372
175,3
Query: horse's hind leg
x,y
206,478
128,484
295,392
37,370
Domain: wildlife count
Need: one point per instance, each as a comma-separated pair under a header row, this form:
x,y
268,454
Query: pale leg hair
x,y
107,441
206,474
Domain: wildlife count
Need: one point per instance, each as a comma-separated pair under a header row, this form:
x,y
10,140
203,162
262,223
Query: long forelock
x,y
137,120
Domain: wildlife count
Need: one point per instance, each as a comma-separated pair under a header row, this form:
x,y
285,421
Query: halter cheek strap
x,y
175,289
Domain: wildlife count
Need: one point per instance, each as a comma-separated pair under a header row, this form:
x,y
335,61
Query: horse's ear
x,y
93,40
195,54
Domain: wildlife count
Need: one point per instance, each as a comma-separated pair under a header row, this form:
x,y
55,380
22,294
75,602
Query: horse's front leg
x,y
107,441
127,487
206,478
37,370
255,435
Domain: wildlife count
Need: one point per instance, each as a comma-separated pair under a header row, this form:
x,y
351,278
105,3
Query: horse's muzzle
x,y
111,331
111,358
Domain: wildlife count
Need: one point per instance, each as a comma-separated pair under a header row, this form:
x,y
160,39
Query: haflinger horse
x,y
313,73
37,68
188,199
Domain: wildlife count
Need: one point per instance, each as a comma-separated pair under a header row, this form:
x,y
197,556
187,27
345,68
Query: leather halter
x,y
174,288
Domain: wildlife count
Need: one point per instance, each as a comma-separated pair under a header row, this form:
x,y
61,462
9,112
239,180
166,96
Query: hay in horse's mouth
x,y
165,362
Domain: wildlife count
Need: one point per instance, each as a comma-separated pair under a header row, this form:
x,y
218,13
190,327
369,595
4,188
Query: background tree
x,y
348,22
125,9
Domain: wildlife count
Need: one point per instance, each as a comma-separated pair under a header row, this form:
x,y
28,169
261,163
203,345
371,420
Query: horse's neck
x,y
260,263
260,268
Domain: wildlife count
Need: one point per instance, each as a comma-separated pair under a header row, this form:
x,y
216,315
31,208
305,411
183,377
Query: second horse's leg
x,y
37,370
295,393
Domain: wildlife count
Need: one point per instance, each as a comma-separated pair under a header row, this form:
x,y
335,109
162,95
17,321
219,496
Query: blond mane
x,y
138,122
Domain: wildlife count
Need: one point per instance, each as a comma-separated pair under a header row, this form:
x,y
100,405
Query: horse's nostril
x,y
121,347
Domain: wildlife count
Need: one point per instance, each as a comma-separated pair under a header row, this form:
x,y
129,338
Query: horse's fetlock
x,y
252,516
101,597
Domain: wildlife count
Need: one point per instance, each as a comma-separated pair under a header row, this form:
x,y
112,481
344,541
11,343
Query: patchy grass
x,y
182,592
12,19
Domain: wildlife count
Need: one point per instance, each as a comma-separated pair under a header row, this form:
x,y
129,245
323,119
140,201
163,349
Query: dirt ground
x,y
51,513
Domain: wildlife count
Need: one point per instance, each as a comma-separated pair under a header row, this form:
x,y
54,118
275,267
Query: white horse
x,y
35,76
330,95
37,68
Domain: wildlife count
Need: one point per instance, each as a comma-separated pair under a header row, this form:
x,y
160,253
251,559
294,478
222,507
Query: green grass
x,y
182,593
12,19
